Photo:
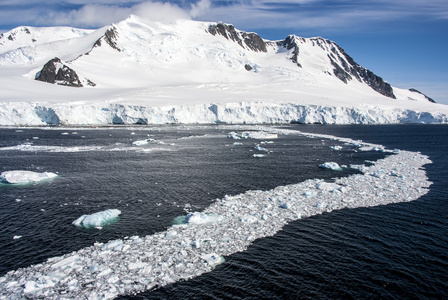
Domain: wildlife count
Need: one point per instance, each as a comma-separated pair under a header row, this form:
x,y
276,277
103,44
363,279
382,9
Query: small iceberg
x,y
198,218
337,148
331,165
24,177
98,219
259,135
213,259
140,142
259,148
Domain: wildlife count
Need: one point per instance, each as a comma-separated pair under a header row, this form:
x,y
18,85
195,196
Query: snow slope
x,y
194,72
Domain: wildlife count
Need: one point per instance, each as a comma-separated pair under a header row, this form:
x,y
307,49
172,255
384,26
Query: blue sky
x,y
403,41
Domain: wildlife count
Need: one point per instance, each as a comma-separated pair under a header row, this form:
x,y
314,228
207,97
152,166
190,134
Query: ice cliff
x,y
230,113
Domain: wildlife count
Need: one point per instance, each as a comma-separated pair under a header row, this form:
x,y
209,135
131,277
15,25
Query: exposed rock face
x,y
416,91
110,37
289,43
247,40
374,81
344,67
12,35
56,72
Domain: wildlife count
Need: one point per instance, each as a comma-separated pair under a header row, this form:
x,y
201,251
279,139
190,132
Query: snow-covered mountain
x,y
140,72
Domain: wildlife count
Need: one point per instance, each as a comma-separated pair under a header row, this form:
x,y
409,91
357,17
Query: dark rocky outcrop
x,y
427,98
290,43
344,67
367,76
54,71
110,37
250,40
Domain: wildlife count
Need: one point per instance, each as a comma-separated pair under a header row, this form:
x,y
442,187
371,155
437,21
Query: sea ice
x,y
140,142
259,135
23,177
331,165
97,219
202,218
259,148
132,265
337,148
213,259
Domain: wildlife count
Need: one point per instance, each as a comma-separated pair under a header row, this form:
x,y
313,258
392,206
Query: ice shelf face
x,y
136,264
228,113
24,177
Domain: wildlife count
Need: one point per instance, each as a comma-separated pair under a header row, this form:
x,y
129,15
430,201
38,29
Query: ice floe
x,y
97,220
331,165
131,265
24,177
259,135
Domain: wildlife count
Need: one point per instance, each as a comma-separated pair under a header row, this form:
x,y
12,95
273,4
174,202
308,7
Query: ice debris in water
x,y
331,165
337,148
23,177
135,264
259,135
98,219
140,142
202,218
259,148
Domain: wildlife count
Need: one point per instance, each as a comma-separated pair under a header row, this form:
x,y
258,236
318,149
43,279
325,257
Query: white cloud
x,y
200,8
88,15
158,11
96,15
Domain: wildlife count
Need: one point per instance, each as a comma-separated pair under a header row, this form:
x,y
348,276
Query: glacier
x,y
228,113
190,72
133,264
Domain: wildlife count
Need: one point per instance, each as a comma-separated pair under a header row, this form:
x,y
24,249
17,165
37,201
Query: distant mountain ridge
x,y
146,63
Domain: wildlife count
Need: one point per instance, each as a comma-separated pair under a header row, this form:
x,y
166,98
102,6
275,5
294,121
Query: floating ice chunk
x,y
258,155
248,219
321,204
309,194
16,237
97,219
66,262
237,144
213,259
202,218
259,148
286,205
140,142
23,177
336,148
331,165
378,149
259,135
327,186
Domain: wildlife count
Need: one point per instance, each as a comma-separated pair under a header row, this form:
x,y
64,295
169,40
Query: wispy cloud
x,y
319,14
248,14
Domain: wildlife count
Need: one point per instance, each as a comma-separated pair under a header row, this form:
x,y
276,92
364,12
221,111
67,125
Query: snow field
x,y
134,264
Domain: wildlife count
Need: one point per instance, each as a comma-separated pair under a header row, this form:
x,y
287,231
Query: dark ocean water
x,y
396,251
